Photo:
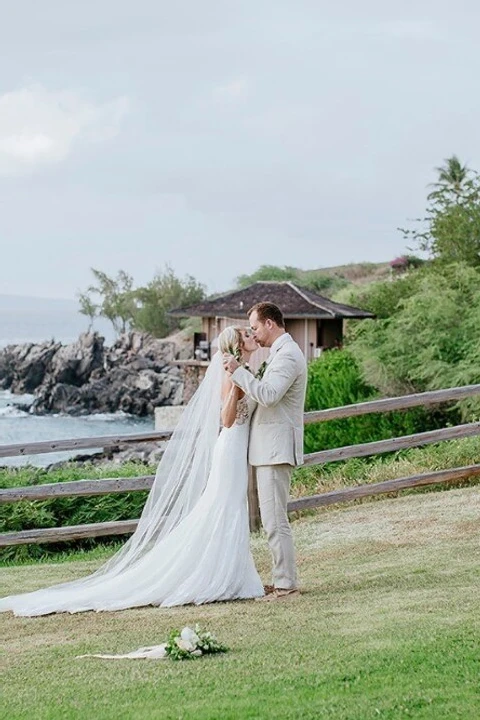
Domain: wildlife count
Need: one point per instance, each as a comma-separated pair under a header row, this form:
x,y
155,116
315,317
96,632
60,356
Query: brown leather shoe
x,y
268,589
280,594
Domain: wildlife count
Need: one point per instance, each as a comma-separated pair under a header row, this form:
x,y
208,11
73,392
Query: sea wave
x,y
106,417
15,398
109,417
11,411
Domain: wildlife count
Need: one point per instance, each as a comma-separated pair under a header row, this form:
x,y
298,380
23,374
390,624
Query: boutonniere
x,y
261,370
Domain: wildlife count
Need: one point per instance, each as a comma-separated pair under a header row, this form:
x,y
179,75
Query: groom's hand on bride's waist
x,y
230,363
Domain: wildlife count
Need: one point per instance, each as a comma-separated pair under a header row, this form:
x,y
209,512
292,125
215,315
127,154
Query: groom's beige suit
x,y
276,445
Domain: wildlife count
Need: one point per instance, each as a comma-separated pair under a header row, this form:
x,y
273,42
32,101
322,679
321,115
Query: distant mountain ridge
x,y
357,273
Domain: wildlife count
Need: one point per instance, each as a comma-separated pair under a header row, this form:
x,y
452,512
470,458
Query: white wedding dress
x,y
192,542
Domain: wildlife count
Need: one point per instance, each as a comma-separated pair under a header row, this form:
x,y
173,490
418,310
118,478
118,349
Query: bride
x,y
191,544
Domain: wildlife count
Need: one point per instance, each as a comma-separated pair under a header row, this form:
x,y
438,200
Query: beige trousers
x,y
273,484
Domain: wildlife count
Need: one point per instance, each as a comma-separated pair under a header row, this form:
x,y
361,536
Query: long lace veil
x,y
179,482
181,474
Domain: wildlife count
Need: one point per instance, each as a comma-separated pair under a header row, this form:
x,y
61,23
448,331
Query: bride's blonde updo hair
x,y
230,339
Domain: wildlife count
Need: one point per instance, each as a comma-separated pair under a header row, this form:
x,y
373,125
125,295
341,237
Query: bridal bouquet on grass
x,y
189,644
185,645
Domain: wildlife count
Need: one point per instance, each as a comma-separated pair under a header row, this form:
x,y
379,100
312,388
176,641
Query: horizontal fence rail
x,y
403,402
75,488
49,491
71,532
388,486
401,443
122,527
119,485
89,443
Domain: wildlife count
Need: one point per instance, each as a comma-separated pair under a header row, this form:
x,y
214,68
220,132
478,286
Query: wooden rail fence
x,y
144,482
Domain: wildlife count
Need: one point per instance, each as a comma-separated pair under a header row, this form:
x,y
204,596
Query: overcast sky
x,y
217,136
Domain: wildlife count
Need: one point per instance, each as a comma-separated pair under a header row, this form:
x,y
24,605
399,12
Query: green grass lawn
x,y
388,626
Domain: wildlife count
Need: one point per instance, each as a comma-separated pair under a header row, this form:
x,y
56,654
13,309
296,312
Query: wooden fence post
x,y
253,507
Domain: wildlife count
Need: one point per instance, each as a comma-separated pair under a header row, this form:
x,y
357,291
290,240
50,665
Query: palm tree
x,y
452,176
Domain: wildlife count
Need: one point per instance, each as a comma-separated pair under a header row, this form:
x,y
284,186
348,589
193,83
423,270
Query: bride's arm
x,y
230,396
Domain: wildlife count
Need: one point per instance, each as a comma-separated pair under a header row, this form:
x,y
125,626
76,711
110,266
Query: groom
x,y
276,435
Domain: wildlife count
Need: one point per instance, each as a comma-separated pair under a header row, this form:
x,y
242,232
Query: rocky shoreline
x,y
134,375
142,453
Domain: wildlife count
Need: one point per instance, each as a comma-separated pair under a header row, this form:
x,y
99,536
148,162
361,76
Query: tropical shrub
x,y
426,340
334,380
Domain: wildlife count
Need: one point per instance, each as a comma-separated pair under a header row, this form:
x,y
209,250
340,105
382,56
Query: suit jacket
x,y
276,429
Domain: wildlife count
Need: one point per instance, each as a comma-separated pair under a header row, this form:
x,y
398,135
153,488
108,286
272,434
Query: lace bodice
x,y
245,407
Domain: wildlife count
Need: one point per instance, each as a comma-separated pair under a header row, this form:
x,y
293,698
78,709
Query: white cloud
x,y
233,92
410,30
40,127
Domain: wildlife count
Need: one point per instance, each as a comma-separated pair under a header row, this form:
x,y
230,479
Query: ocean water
x,y
35,320
27,319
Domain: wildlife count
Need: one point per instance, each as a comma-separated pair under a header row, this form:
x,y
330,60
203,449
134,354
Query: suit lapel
x,y
281,342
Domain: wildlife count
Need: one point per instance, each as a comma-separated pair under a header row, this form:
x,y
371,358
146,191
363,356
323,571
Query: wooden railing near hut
x,y
144,482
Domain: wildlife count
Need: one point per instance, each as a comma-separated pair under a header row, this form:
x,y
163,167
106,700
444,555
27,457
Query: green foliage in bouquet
x,y
190,644
236,353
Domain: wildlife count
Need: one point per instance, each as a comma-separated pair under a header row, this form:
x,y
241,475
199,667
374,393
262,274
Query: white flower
x,y
189,636
184,645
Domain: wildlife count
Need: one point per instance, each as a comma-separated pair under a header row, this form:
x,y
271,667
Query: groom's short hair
x,y
268,311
